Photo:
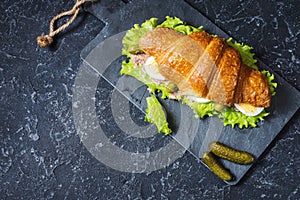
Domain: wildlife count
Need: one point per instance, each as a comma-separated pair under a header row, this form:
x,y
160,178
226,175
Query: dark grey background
x,y
41,156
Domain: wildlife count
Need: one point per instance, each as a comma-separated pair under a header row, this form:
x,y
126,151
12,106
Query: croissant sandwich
x,y
205,66
204,71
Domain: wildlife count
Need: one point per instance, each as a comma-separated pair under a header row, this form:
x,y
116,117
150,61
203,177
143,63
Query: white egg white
x,y
198,99
248,110
151,68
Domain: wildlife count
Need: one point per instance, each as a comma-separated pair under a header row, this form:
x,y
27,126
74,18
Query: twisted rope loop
x,y
46,40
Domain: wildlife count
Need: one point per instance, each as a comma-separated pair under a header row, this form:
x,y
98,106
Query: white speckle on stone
x,y
51,194
76,104
33,95
23,152
20,129
35,137
58,136
99,145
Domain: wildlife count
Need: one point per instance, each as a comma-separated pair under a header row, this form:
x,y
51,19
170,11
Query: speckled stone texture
x,y
41,156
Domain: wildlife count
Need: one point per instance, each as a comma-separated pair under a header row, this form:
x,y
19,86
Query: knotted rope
x,y
46,40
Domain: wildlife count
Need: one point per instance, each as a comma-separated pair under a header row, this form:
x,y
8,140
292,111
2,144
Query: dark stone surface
x,y
41,155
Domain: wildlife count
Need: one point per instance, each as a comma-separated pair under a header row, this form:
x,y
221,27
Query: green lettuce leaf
x,y
200,109
178,25
138,73
155,114
245,51
132,36
232,117
271,81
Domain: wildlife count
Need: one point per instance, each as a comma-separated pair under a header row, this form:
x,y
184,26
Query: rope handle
x,y
46,40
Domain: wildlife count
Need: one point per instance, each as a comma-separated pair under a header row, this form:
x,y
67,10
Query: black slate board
x,y
120,17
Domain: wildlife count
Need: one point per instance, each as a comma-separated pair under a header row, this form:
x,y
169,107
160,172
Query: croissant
x,y
206,66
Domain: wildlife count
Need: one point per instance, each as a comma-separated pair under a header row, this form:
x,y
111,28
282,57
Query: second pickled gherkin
x,y
209,159
231,154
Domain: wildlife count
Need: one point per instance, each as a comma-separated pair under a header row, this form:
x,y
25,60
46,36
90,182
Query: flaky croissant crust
x,y
206,66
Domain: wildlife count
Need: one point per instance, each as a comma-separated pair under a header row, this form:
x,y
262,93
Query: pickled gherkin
x,y
209,159
231,154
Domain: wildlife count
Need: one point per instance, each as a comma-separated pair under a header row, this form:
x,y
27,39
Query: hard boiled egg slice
x,y
198,99
248,109
151,68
